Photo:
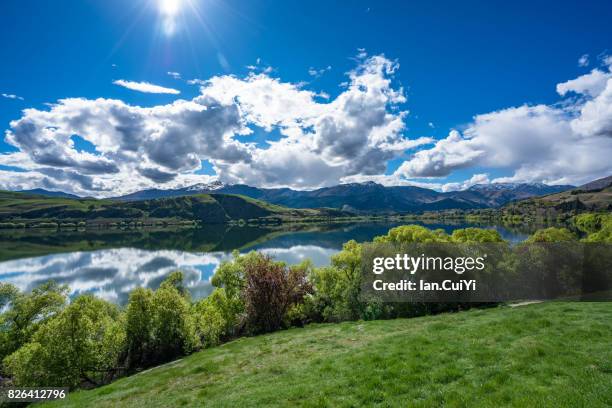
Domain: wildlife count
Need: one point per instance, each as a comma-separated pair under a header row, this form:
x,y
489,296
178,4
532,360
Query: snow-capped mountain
x,y
215,185
504,192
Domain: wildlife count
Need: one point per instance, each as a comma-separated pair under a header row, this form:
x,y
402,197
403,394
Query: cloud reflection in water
x,y
112,273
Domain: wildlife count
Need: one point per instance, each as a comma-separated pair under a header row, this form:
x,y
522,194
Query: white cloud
x,y
318,72
11,96
567,143
196,81
480,178
591,84
315,143
262,131
146,87
175,75
583,61
136,147
595,117
356,133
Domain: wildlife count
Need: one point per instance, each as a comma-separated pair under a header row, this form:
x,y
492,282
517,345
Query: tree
x,y
597,226
413,233
271,288
27,312
475,235
551,234
231,275
159,324
80,345
215,317
333,298
8,294
177,281
588,223
139,328
173,325
337,287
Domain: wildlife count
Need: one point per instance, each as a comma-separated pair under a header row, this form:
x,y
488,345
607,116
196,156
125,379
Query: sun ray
x,y
169,11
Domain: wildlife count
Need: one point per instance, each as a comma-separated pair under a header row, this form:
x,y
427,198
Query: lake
x,y
111,263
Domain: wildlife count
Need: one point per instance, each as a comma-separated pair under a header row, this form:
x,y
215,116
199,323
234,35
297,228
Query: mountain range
x,y
48,193
218,203
368,197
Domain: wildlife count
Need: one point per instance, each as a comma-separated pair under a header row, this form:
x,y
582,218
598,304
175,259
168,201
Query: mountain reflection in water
x,y
111,263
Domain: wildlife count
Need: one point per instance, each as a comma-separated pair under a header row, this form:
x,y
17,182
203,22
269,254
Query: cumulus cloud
x,y
591,84
480,178
146,87
567,143
135,146
356,133
583,61
309,141
315,144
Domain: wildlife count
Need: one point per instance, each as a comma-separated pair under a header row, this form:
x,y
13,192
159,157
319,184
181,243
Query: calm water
x,y
112,263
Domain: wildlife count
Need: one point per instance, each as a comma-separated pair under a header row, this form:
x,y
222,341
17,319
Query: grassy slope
x,y
210,208
17,203
595,200
552,354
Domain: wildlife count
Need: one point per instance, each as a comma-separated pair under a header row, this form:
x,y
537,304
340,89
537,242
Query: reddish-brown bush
x,y
271,289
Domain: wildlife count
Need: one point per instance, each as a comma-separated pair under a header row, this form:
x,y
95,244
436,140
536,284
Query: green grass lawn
x,y
538,355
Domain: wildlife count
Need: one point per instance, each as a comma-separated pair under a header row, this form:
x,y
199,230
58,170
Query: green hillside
x,y
564,204
29,209
539,355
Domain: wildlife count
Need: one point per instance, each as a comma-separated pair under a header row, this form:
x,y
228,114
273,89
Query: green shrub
x,y
176,280
551,234
8,294
597,226
475,235
588,223
231,275
413,233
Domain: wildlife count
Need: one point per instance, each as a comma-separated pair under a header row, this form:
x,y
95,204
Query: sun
x,y
175,15
169,8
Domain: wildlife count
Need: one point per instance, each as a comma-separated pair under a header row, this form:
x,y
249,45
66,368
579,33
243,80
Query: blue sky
x,y
456,60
